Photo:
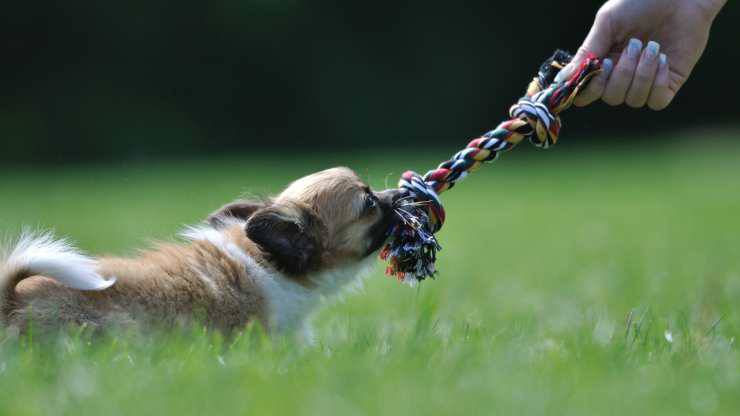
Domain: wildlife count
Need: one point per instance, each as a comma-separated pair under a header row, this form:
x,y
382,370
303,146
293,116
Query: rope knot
x,y
412,247
424,194
544,125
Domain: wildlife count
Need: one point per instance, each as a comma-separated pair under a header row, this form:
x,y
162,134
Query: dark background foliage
x,y
97,81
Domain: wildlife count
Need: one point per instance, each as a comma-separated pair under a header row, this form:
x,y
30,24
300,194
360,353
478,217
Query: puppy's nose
x,y
389,196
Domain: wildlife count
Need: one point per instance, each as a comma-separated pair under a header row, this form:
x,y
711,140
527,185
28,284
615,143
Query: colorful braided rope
x,y
412,247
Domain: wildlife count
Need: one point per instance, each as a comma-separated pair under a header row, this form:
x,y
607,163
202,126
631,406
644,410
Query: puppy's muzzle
x,y
389,197
379,232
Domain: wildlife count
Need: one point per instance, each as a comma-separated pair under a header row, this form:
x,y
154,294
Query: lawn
x,y
572,281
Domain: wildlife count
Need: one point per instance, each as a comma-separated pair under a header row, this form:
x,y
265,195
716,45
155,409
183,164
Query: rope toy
x,y
412,248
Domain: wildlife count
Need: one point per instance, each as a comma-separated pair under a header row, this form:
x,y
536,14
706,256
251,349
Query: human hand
x,y
676,31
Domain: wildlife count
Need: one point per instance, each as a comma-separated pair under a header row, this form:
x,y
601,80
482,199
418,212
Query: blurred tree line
x,y
119,80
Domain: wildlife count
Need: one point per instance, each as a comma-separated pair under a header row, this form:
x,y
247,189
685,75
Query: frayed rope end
x,y
412,248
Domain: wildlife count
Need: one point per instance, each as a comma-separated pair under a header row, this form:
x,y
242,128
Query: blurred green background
x,y
605,284
92,81
599,277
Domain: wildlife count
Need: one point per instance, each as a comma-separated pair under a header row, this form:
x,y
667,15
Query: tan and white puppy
x,y
272,262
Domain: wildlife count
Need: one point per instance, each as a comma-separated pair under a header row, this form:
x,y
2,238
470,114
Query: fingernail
x,y
652,50
663,59
607,66
634,48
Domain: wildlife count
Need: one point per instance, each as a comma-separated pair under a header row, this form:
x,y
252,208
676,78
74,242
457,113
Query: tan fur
x,y
336,195
175,283
162,287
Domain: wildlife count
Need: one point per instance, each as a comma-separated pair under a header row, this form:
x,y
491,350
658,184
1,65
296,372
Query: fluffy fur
x,y
271,261
40,253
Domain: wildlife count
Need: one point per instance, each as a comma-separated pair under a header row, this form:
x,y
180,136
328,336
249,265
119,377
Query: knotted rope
x,y
412,247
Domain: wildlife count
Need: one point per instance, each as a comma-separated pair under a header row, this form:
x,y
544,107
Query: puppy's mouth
x,y
380,232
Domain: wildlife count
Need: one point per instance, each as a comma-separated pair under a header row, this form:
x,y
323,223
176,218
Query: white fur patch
x,y
289,304
345,278
205,232
41,254
216,237
287,301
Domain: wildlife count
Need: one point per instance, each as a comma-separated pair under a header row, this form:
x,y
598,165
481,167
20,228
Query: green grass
x,y
561,274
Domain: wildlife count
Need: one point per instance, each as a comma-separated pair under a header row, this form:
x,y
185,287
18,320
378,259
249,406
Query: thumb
x,y
598,42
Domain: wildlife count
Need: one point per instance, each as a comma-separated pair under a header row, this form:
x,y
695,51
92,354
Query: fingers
x,y
642,82
595,88
621,78
640,77
661,94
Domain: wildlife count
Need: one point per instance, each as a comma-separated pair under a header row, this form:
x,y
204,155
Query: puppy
x,y
270,262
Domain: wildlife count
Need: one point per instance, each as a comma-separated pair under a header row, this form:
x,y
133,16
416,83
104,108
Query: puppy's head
x,y
320,221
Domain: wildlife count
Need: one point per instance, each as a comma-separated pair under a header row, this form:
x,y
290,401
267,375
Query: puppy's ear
x,y
240,209
291,235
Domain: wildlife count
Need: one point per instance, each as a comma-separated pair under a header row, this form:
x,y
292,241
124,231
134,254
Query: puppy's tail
x,y
39,254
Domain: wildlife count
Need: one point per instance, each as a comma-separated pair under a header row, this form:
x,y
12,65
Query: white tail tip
x,y
41,254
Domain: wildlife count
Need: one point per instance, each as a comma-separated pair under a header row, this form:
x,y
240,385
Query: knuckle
x,y
591,90
642,78
586,95
582,51
660,100
623,72
612,100
598,83
603,15
635,102
657,105
622,75
582,101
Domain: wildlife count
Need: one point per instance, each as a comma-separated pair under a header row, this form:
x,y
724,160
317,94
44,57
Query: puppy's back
x,y
49,283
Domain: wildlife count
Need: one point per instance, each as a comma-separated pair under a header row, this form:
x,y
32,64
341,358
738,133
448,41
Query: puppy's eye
x,y
370,203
